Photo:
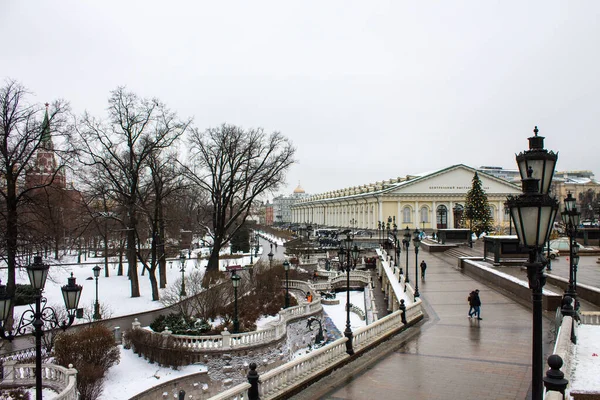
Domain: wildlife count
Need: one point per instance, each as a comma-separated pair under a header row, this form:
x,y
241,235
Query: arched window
x,y
424,215
406,212
442,217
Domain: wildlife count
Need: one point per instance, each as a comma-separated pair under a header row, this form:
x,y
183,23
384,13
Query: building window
x,y
406,215
424,215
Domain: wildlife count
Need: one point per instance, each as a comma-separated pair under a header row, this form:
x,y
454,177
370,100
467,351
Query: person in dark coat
x,y
475,303
423,268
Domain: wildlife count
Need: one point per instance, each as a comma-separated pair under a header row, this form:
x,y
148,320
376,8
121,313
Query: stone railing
x,y
241,341
60,379
564,347
590,318
358,311
291,376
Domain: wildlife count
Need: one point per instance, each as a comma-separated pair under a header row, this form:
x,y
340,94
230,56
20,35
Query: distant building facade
x,y
268,214
282,205
583,186
428,201
511,175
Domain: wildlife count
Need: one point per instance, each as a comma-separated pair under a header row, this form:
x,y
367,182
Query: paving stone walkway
x,y
449,356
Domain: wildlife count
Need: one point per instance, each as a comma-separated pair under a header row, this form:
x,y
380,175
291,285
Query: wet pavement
x,y
448,355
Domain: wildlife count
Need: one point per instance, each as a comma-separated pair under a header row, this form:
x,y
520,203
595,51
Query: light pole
x,y
235,280
182,270
97,315
417,243
348,255
533,214
43,314
270,255
286,267
395,235
406,242
251,248
571,218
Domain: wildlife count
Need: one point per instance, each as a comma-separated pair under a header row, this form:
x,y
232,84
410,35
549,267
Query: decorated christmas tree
x,y
478,216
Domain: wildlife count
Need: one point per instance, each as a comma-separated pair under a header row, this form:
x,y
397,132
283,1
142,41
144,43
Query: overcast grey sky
x,y
366,90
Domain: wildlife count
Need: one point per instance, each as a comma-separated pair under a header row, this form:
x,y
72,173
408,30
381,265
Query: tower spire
x,y
46,140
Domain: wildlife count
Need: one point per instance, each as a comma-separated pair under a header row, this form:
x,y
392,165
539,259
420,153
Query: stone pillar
x,y
117,334
9,372
226,335
135,324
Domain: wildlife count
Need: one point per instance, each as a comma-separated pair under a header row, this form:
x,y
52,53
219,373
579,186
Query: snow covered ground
x,y
134,374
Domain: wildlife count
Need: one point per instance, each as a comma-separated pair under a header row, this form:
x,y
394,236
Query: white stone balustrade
x,y
60,379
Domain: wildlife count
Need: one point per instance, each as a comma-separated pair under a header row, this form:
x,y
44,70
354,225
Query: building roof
x,y
299,189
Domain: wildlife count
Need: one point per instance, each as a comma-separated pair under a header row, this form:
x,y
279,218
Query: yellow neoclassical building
x,y
433,200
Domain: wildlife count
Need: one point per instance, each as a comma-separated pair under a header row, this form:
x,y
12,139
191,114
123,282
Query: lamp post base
x,y
97,311
349,348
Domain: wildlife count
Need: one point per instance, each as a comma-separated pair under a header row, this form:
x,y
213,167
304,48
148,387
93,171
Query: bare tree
x,y
24,130
165,181
119,148
236,167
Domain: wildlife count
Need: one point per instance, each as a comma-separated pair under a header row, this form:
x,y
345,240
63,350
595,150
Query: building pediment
x,y
452,181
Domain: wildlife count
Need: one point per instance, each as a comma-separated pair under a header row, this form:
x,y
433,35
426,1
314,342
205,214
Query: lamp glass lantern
x,y
355,252
5,304
342,256
71,293
286,265
533,218
235,280
570,202
38,272
96,270
538,159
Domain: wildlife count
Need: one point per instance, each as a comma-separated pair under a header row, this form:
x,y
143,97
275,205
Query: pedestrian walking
x,y
423,268
475,303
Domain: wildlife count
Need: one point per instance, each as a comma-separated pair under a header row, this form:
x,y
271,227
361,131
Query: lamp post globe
x,y
348,256
533,214
286,267
97,315
406,242
417,243
270,255
182,270
235,280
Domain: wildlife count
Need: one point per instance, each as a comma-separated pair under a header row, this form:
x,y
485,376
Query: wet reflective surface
x,y
450,356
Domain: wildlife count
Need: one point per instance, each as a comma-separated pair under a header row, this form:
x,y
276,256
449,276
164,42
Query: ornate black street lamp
x,y
395,235
286,267
379,232
406,242
43,318
235,280
571,218
182,270
533,214
348,256
270,255
97,315
417,243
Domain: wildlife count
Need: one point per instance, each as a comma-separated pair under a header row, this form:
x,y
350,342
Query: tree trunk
x,y
106,270
153,284
131,253
162,266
